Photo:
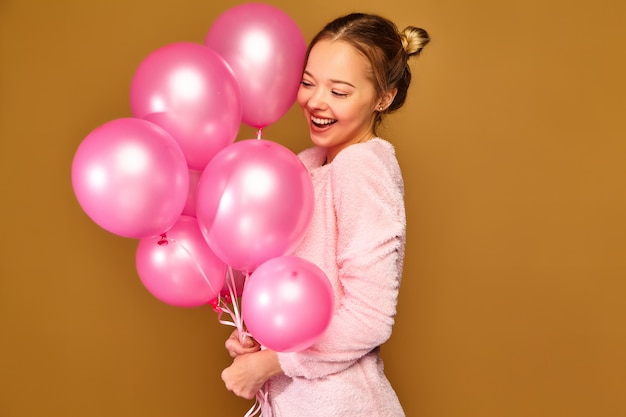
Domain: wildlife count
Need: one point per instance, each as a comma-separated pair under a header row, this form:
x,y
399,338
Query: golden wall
x,y
513,147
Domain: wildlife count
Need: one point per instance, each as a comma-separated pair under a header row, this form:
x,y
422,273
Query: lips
x,y
322,122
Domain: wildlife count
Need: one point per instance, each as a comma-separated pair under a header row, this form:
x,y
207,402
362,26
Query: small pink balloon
x,y
265,49
190,91
287,304
180,269
130,177
190,204
255,202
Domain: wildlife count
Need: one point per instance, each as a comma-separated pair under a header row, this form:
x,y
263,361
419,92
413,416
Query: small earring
x,y
380,108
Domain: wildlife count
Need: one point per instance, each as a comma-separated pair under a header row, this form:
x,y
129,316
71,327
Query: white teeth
x,y
319,121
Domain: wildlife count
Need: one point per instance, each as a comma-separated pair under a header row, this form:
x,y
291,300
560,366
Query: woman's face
x,y
337,96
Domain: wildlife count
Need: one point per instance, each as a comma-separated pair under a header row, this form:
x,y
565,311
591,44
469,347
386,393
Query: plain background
x,y
513,147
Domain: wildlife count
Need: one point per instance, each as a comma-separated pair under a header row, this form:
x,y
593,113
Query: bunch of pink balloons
x,y
173,177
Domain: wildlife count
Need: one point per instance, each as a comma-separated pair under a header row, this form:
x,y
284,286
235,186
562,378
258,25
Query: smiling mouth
x,y
319,122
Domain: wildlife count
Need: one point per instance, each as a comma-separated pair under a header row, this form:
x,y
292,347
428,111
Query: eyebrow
x,y
332,80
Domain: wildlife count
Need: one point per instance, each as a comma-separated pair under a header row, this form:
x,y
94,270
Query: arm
x,y
370,249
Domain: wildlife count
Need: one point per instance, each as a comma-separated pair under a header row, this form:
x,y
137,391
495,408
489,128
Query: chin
x,y
317,139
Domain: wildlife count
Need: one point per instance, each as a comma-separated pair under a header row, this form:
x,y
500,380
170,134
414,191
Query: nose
x,y
315,98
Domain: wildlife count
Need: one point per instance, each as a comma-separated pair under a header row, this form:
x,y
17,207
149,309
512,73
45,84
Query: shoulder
x,y
367,184
376,156
312,157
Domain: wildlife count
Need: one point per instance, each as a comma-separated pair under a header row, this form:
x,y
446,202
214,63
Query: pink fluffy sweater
x,y
357,238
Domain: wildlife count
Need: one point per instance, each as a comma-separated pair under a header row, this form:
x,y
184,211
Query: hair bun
x,y
414,40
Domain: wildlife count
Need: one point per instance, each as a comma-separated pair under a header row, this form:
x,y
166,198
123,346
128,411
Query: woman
x,y
356,71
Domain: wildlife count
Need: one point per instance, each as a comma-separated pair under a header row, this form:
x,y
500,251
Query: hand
x,y
236,347
248,372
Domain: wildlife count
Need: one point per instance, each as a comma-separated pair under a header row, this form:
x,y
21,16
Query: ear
x,y
386,99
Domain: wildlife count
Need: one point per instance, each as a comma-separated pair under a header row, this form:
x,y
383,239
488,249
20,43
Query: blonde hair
x,y
414,40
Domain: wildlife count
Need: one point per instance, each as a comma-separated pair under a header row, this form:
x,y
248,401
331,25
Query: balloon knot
x,y
215,304
163,241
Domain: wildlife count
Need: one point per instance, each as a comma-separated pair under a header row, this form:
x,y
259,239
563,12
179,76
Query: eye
x,y
339,93
306,83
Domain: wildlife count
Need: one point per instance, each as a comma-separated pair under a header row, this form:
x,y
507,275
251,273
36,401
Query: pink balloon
x,y
189,90
130,177
181,269
287,303
265,49
190,204
255,202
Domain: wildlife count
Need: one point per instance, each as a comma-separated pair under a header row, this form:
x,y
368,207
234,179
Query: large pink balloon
x,y
265,49
181,269
189,90
255,202
287,303
130,177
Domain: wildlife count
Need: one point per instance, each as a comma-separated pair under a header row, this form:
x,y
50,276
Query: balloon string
x,y
263,398
261,404
259,133
221,307
165,240
256,409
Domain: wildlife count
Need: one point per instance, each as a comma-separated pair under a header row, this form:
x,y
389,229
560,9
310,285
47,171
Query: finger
x,y
248,342
233,347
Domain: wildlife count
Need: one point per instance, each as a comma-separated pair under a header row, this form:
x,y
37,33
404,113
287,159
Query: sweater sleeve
x,y
371,225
